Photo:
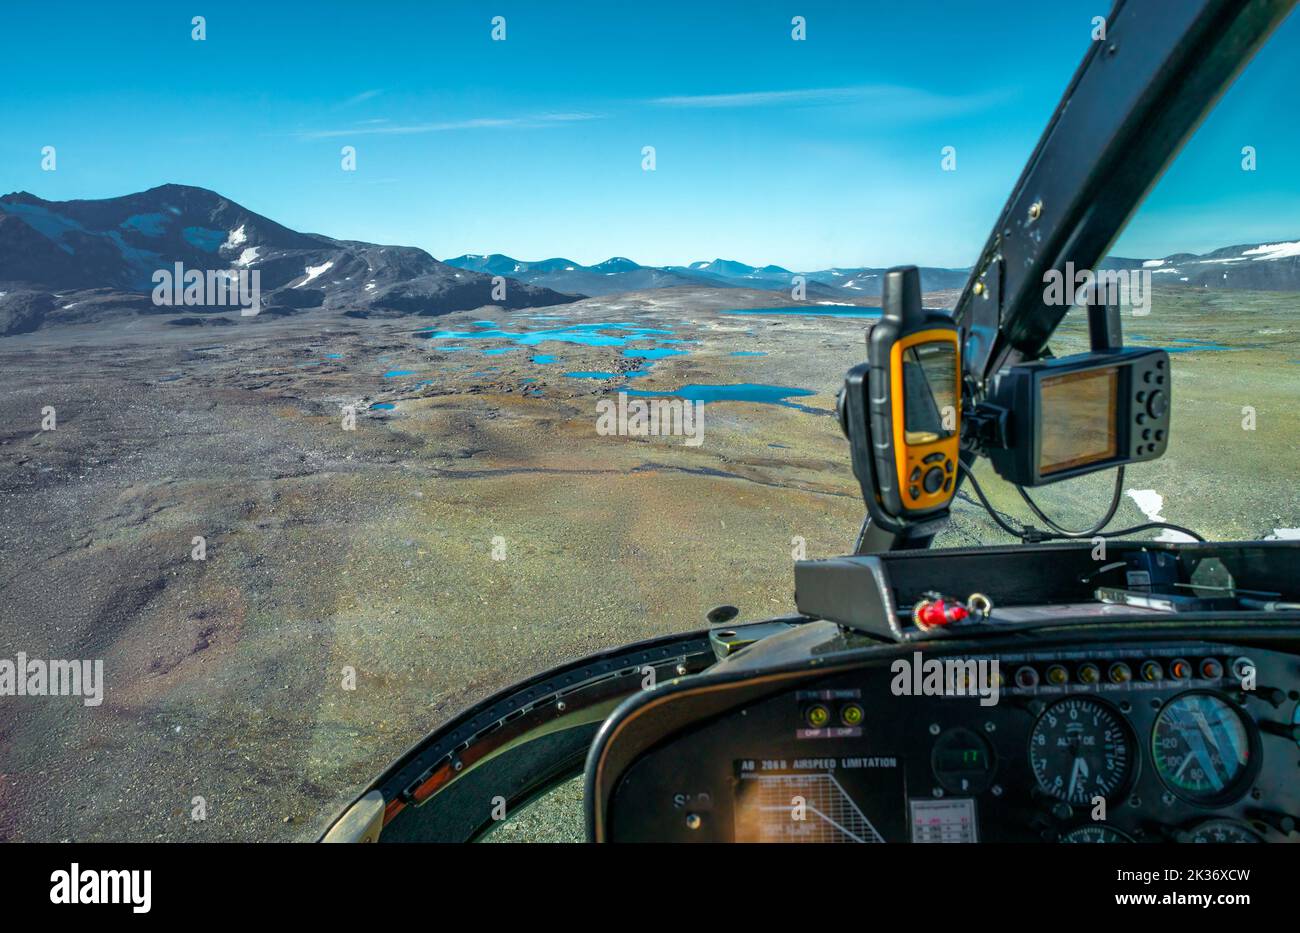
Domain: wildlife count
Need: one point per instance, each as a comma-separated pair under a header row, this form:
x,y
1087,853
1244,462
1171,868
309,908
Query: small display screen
x,y
1077,423
929,392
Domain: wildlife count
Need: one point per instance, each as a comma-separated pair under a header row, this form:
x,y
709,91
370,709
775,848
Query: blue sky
x,y
806,154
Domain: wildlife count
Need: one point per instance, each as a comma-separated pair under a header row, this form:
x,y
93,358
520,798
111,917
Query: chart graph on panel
x,y
849,800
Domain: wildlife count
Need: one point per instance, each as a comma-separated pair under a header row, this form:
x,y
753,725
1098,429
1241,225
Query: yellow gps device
x,y
901,410
924,407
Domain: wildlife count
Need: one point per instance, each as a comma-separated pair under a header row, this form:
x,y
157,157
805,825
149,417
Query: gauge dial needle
x,y
1079,770
1211,743
1206,731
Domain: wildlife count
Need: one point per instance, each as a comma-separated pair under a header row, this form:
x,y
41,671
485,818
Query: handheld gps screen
x,y
929,387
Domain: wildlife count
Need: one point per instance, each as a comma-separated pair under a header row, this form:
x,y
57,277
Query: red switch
x,y
930,613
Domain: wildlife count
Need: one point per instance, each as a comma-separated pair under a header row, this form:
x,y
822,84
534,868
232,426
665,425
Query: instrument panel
x,y
1176,742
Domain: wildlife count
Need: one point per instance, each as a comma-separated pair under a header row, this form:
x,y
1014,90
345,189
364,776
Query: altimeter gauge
x,y
1080,749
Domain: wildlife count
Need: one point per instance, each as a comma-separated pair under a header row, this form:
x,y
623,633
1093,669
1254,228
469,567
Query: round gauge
x,y
1201,745
1095,834
1222,831
1080,749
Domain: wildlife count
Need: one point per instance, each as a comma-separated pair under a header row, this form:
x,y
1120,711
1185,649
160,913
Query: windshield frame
x,y
1136,98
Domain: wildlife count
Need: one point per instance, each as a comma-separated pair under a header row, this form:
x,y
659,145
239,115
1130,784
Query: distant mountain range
x,y
623,275
69,262
1260,266
1263,266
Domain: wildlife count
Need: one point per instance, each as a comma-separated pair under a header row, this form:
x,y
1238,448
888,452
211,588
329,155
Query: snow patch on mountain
x,y
315,271
236,239
1274,251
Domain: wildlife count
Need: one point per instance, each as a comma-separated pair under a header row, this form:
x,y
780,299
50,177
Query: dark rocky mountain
x,y
83,261
727,268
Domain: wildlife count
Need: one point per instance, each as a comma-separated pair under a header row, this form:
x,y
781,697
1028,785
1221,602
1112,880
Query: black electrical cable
x,y
1068,533
1033,534
988,507
1146,525
862,534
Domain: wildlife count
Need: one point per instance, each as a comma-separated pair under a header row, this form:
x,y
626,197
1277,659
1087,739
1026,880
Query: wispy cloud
x,y
361,98
531,121
761,98
912,101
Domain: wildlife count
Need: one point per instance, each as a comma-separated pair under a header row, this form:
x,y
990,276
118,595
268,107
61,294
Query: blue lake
x,y
738,392
591,374
383,406
544,358
1193,344
586,335
749,353
1188,344
394,373
333,356
812,310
